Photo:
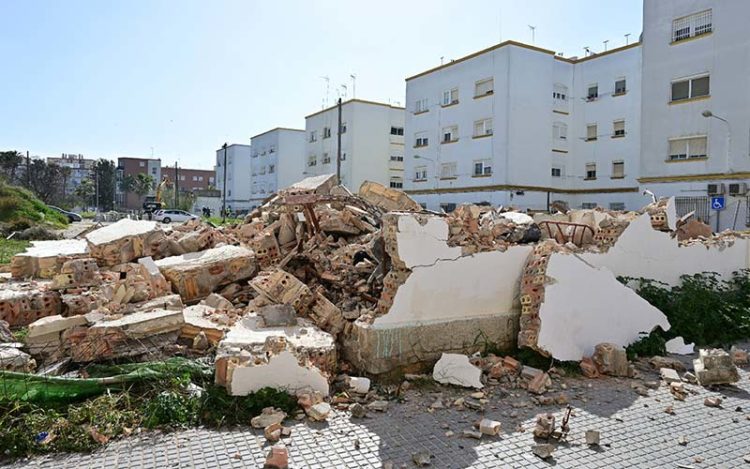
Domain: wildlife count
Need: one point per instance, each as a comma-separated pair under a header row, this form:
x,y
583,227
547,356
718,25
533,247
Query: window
x,y
182,178
690,88
560,92
591,132
556,172
420,139
483,127
200,178
312,160
484,87
593,92
343,127
618,169
588,205
153,170
448,207
692,26
142,164
620,87
559,131
450,97
420,105
211,179
619,206
396,182
618,128
685,148
262,170
397,158
447,170
195,178
450,134
314,136
590,171
482,168
420,173
271,168
326,132
326,158
397,131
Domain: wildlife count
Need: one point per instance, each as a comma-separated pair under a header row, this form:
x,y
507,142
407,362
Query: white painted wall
x,y
238,175
366,145
277,161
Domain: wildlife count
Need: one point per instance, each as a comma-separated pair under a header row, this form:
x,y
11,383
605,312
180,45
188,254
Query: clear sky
x,y
111,78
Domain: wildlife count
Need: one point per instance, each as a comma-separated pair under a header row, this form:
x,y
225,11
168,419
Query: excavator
x,y
152,203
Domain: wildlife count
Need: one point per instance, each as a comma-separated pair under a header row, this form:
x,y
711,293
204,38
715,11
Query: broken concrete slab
x,y
196,275
669,375
456,369
320,185
386,198
21,305
44,259
198,319
53,324
217,301
13,359
127,240
278,315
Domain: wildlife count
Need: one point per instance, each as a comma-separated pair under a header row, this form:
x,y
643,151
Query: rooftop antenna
x,y
605,45
627,39
533,34
354,85
587,51
328,90
344,90
441,59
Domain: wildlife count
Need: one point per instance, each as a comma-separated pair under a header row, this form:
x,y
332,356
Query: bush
x,y
704,308
20,209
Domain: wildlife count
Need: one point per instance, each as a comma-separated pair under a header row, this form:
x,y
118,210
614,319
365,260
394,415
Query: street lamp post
x,y
224,187
708,114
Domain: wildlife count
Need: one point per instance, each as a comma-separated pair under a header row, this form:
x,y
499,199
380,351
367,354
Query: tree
x,y
45,180
143,184
86,190
10,161
65,173
127,184
105,178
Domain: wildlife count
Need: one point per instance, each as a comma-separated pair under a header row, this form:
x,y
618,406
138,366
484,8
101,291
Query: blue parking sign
x,y
718,202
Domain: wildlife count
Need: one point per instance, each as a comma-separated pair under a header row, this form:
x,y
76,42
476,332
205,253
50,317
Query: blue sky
x,y
111,78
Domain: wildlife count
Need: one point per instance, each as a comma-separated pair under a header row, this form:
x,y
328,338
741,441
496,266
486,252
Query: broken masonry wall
x,y
442,300
44,259
642,252
127,240
21,306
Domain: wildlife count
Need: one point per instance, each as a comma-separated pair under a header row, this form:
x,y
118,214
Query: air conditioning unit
x,y
738,188
715,189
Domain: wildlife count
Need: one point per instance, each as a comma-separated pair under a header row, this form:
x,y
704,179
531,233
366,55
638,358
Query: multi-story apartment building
x,y
277,161
80,169
189,180
696,105
523,126
133,167
519,125
238,177
372,143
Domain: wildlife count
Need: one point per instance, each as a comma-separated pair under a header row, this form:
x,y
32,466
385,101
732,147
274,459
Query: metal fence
x,y
701,206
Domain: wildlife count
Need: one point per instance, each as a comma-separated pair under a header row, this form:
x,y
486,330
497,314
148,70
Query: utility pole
x,y
176,185
338,148
224,187
28,171
96,177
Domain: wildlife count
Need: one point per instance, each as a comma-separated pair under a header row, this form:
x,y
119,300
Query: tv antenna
x,y
328,90
605,45
627,39
533,34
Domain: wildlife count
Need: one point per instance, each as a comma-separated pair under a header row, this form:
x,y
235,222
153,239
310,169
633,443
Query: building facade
x,y
696,107
132,167
277,161
372,143
80,169
522,126
190,180
238,179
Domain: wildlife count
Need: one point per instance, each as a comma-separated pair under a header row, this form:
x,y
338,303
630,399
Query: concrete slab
x,y
44,259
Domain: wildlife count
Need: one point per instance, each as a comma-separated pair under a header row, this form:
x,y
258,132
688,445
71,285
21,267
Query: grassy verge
x,y
9,248
217,221
20,209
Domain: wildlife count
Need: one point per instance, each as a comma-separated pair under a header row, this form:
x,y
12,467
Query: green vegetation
x,y
59,420
9,248
217,220
703,309
88,215
653,344
20,209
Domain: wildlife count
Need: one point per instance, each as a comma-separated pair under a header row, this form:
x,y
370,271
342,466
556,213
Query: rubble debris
x,y
678,346
678,391
277,458
13,359
490,427
714,366
269,416
545,425
592,437
278,315
273,432
589,368
20,305
693,229
456,369
739,356
217,301
543,451
196,275
319,412
387,199
358,410
421,458
658,362
472,434
714,401
82,272
682,440
359,385
611,359
669,375
125,241
378,406
201,319
44,259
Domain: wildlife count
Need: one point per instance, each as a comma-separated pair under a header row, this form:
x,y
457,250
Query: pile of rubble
x,y
319,279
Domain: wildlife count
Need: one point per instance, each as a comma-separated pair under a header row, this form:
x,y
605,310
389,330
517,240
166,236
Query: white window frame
x,y
559,131
556,169
448,170
450,97
420,173
694,25
421,139
592,96
312,160
589,137
691,94
420,105
618,174
451,130
623,89
326,132
313,136
484,87
326,158
483,127
618,128
481,168
590,167
687,155
560,92
396,182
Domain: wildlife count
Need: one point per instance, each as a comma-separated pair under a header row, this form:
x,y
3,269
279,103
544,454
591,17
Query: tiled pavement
x,y
636,432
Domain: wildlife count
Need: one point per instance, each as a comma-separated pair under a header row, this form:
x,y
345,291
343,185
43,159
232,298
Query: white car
x,y
168,216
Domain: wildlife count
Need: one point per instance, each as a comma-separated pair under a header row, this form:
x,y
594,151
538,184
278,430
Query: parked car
x,y
170,215
71,216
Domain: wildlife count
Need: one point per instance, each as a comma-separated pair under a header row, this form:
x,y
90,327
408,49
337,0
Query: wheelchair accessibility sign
x,y
718,202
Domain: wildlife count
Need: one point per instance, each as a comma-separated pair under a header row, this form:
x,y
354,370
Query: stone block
x,y
44,259
714,366
127,240
611,359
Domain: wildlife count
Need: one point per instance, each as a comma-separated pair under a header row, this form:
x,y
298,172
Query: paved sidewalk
x,y
636,432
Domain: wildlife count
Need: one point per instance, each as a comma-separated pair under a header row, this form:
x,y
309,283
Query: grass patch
x,y
20,209
11,247
88,215
217,220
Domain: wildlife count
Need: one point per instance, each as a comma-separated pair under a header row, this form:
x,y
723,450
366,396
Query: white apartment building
x,y
696,58
80,169
238,178
372,143
519,125
277,161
